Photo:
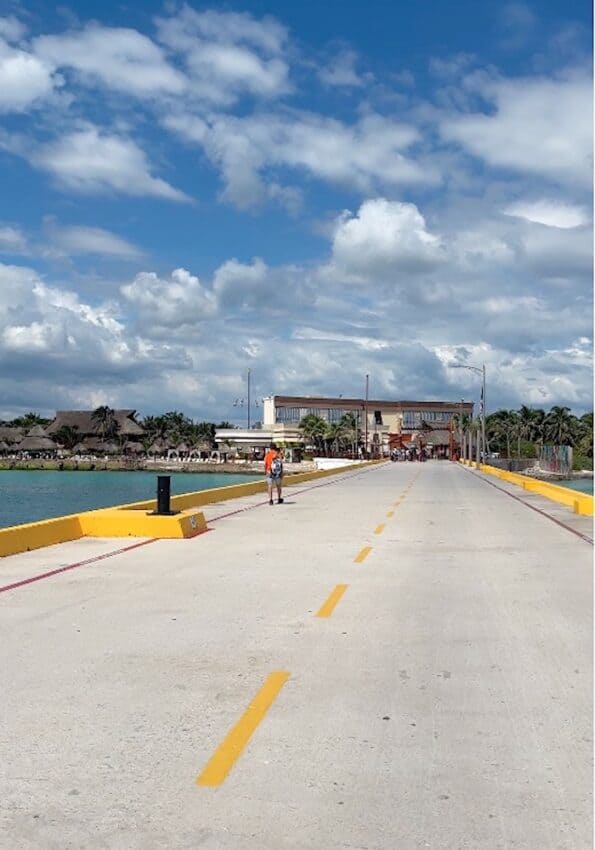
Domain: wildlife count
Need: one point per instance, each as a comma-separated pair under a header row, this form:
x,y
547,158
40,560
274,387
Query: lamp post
x,y
479,371
248,399
366,414
461,447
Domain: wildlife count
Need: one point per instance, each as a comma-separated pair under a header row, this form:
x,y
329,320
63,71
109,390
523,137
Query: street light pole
x,y
366,414
248,399
461,448
483,410
481,372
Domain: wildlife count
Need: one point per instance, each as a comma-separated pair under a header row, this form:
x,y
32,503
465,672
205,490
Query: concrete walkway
x,y
445,702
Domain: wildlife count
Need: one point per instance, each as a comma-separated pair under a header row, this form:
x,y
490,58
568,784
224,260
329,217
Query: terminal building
x,y
382,425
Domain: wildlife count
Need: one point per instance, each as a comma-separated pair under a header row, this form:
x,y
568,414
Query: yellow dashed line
x,y
232,747
379,528
329,606
390,513
362,554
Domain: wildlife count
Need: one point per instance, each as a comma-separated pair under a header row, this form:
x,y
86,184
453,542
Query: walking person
x,y
273,470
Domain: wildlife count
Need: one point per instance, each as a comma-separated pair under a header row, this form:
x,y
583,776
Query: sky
x,y
314,192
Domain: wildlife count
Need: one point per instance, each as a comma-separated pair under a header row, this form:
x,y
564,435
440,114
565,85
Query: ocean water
x,y
29,495
583,485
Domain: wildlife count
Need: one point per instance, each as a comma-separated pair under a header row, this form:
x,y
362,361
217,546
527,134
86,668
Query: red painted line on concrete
x,y
84,563
559,522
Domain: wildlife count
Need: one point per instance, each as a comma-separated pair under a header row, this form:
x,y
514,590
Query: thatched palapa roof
x,y
36,444
37,431
87,426
134,446
10,434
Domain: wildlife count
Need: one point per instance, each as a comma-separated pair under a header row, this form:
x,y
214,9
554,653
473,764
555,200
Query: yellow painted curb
x,y
115,522
35,535
581,503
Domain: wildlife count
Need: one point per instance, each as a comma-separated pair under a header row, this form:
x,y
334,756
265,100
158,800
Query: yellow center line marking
x,y
329,606
224,758
379,528
390,513
362,554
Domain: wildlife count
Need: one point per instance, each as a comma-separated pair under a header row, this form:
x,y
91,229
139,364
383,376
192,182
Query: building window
x,y
378,417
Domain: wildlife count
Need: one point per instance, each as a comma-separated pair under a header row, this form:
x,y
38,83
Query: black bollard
x,y
163,494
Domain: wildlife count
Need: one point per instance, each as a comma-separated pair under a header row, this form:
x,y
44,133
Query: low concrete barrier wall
x,y
132,520
35,535
581,503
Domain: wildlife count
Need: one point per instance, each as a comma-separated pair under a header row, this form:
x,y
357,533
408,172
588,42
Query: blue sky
x,y
314,191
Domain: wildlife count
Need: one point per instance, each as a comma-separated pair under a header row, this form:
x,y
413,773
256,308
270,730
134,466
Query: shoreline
x,y
69,465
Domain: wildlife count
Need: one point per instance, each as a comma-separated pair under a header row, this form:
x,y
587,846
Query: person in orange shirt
x,y
273,470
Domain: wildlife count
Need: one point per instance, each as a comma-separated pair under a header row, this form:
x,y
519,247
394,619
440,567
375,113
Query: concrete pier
x,y
395,658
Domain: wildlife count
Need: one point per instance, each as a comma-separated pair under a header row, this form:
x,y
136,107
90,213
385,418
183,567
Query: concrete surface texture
x,y
442,698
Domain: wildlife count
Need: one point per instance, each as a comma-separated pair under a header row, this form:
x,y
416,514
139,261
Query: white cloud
x,y
385,238
90,161
549,213
12,240
370,154
12,29
78,239
121,58
228,54
25,80
341,71
536,125
169,303
51,338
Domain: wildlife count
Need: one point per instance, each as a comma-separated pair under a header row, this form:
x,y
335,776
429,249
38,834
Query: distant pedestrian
x,y
273,470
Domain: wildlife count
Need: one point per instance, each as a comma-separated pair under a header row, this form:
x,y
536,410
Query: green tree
x,y
29,420
585,434
501,428
105,421
560,426
531,423
314,429
348,432
68,436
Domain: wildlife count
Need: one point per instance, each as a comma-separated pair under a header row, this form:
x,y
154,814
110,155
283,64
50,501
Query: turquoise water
x,y
29,495
583,485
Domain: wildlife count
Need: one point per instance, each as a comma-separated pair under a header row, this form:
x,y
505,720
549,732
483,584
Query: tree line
x,y
521,432
172,428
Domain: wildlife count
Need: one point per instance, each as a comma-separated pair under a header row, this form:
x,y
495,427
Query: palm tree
x,y
314,429
585,434
68,436
103,418
529,423
560,426
348,431
501,428
29,420
332,438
